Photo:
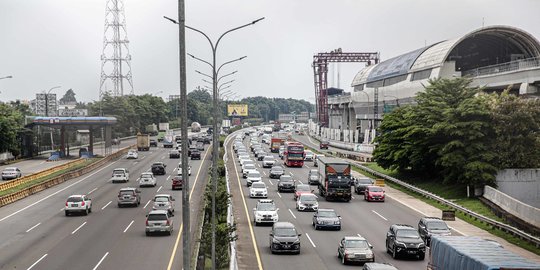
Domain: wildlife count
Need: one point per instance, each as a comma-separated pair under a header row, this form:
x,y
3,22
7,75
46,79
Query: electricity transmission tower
x,y
115,59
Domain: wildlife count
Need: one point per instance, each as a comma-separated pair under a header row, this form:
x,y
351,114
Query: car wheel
x,y
394,253
147,233
338,255
119,205
67,213
339,228
90,211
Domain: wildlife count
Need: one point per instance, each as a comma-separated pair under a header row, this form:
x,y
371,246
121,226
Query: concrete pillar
x,y
63,140
91,142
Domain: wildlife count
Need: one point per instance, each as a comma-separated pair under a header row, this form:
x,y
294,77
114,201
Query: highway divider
x,y
15,196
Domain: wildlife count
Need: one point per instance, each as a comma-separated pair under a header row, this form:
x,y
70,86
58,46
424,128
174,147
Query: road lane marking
x,y
147,204
171,260
279,194
32,204
73,232
32,266
306,166
291,212
100,261
163,158
62,209
168,178
42,162
160,187
143,157
379,215
127,228
174,169
300,181
33,227
106,205
264,173
269,180
309,238
92,191
352,197
291,173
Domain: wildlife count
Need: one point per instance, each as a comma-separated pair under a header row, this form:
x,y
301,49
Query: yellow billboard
x,y
237,109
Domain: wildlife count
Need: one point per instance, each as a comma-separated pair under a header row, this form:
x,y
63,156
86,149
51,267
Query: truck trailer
x,y
334,178
143,142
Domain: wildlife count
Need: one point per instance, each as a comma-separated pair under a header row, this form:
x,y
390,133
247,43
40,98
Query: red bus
x,y
294,154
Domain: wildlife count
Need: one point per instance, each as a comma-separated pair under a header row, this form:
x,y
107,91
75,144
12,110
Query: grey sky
x,y
59,42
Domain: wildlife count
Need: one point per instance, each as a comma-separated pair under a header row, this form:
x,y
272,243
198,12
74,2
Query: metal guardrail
x,y
504,67
233,263
493,223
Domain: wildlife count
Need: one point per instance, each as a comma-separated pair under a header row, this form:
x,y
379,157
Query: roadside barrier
x,y
10,198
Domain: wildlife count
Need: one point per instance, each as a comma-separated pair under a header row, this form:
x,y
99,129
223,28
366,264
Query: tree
x,y
11,121
68,98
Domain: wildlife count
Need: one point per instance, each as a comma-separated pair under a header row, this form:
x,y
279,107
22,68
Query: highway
x,y
37,234
319,248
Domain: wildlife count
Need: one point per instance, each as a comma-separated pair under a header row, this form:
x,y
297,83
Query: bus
x,y
294,154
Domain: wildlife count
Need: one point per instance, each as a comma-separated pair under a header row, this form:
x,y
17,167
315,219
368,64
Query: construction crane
x,y
320,72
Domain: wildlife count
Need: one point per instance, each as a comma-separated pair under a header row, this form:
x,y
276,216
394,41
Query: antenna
x,y
115,57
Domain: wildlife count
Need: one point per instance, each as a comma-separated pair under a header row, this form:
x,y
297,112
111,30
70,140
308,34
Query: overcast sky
x,y
51,43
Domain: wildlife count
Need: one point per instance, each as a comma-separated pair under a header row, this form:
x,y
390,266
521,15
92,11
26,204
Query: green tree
x,y
11,121
69,97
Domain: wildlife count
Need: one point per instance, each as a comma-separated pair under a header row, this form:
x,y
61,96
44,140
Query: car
x,y
374,193
147,179
153,143
78,204
355,249
195,154
308,155
259,151
159,221
301,189
324,144
163,202
132,154
244,158
265,212
276,171
207,139
159,168
262,155
284,238
11,173
378,266
129,196
179,170
168,144
268,161
258,189
247,168
285,183
174,154
307,202
241,152
281,151
313,177
361,183
253,177
120,175
177,182
326,219
200,146
315,164
191,149
247,162
403,239
429,226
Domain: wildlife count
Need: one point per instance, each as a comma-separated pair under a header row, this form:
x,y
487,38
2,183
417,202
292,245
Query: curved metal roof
x,y
396,66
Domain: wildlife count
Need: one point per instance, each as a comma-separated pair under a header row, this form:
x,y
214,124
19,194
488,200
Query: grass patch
x,y
48,177
457,197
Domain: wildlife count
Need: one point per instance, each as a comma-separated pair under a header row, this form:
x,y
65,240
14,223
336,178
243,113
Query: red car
x,y
177,182
301,189
323,145
374,193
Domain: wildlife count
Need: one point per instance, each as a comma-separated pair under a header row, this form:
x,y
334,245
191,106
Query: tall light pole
x,y
215,146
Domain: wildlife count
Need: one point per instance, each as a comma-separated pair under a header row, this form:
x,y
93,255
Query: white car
x,y
243,157
247,168
265,212
308,155
253,177
11,173
147,179
180,169
281,151
258,189
307,202
132,154
247,162
78,203
120,175
163,202
268,161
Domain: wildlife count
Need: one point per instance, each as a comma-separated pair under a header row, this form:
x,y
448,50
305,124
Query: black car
x,y
326,219
404,240
174,154
360,184
153,143
284,238
191,148
207,139
285,183
195,154
276,172
428,226
158,168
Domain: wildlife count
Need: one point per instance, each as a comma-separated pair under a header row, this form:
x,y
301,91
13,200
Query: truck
x,y
334,178
151,129
163,127
472,252
163,130
143,142
168,141
275,143
195,127
277,126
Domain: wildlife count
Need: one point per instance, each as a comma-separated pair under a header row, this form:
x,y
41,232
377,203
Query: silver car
x,y
164,202
129,196
11,173
147,179
78,203
355,249
159,221
268,161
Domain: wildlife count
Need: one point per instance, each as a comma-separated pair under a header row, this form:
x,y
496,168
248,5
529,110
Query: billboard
x,y
237,109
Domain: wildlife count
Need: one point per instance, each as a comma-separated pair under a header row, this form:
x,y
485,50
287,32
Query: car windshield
x,y
277,169
407,234
249,166
437,225
268,158
285,232
327,214
308,198
375,189
303,188
153,217
254,175
74,199
258,185
285,178
10,169
266,207
118,172
356,244
146,176
161,199
246,157
126,192
364,181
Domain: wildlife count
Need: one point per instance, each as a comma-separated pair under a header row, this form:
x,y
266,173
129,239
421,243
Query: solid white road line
x,y
168,178
92,191
270,182
163,158
129,225
309,238
146,204
106,205
279,194
301,182
100,261
33,227
352,197
291,213
159,188
32,266
73,232
379,215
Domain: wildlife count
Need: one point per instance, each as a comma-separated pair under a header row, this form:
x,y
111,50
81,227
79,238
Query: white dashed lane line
x,y
270,182
291,213
127,228
264,173
106,205
159,188
91,191
33,227
78,228
379,215
279,194
100,261
147,204
311,241
39,260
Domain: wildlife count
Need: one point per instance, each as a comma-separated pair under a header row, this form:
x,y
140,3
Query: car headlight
x,y
337,222
297,241
369,255
420,244
275,241
258,214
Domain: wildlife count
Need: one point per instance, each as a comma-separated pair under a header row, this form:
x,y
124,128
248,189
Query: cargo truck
x,y
143,142
195,127
275,143
471,252
152,129
334,178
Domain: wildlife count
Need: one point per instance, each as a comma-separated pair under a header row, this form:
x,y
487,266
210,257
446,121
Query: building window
x,y
394,80
374,84
359,88
421,75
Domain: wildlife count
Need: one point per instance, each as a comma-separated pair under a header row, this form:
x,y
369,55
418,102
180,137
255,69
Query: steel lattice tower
x,y
115,57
